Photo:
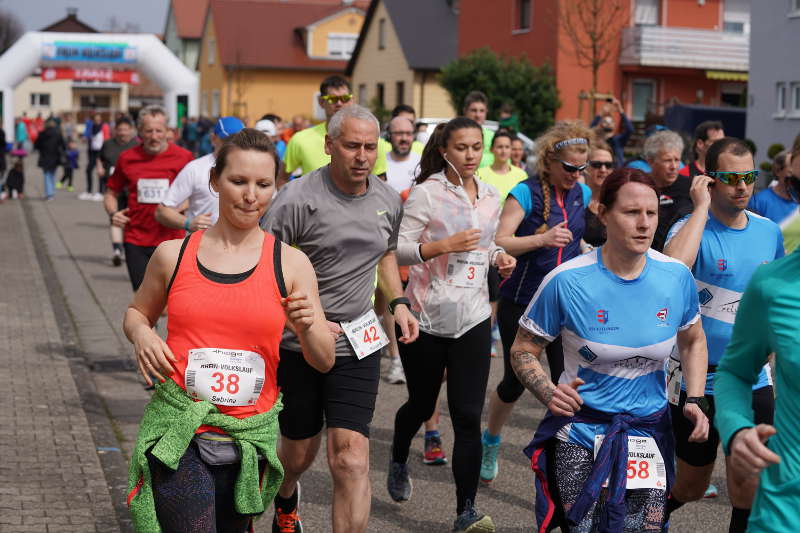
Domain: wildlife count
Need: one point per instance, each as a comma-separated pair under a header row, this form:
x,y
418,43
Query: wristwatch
x,y
701,402
397,301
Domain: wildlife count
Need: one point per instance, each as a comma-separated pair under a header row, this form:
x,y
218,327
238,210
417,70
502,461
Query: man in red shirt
x,y
147,170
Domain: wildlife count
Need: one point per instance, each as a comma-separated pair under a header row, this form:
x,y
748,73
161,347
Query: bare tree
x,y
595,28
10,29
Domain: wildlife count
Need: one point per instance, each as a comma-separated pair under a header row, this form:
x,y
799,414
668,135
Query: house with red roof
x,y
184,28
269,56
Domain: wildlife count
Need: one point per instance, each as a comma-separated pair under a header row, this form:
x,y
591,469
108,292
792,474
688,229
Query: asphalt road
x,y
75,233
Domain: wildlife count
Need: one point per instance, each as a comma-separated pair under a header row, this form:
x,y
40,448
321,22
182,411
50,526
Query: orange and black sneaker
x,y
286,522
286,519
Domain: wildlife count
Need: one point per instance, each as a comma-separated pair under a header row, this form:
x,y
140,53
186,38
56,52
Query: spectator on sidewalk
x,y
20,134
69,165
95,136
50,145
15,180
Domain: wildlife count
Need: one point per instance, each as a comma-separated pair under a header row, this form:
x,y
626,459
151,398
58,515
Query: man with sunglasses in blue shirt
x,y
722,244
306,148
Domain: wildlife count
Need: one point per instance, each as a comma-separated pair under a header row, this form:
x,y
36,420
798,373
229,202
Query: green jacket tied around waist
x,y
168,426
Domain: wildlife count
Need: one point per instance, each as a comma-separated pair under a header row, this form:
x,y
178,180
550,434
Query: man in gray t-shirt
x,y
346,221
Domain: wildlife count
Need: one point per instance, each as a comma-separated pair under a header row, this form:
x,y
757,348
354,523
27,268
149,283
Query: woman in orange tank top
x,y
229,291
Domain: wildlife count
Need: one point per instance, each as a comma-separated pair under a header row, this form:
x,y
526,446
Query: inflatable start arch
x,y
142,51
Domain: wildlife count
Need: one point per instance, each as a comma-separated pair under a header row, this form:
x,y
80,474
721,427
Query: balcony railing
x,y
658,46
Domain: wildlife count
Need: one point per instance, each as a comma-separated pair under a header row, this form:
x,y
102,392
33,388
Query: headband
x,y
567,142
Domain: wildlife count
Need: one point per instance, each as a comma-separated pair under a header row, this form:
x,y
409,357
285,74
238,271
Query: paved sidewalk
x,y
50,476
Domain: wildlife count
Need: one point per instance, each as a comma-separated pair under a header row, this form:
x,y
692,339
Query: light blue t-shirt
x,y
617,334
522,194
645,167
725,262
587,194
768,204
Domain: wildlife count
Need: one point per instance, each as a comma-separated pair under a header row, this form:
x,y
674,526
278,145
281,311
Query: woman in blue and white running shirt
x,y
621,310
541,225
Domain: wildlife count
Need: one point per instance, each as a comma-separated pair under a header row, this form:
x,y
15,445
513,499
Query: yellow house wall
x,y
430,98
60,92
285,93
212,77
387,66
344,23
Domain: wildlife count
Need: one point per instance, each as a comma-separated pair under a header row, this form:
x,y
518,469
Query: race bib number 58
x,y
646,468
224,377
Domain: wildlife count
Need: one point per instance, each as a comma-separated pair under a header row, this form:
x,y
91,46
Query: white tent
x,y
152,57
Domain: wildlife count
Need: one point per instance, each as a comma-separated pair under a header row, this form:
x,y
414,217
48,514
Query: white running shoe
x,y
85,196
97,197
396,374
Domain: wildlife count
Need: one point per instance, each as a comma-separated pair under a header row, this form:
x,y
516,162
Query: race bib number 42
x,y
646,468
151,191
224,377
467,269
365,334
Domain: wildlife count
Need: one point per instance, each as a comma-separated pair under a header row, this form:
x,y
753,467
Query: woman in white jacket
x,y
447,235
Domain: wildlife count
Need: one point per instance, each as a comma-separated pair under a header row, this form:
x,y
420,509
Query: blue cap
x,y
226,126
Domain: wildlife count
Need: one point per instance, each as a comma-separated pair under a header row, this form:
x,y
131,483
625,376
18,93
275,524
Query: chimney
x,y
72,12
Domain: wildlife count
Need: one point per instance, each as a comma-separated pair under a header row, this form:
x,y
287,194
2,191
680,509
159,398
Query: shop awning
x,y
726,75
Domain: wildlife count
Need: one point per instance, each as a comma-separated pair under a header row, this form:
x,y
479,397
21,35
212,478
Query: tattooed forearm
x,y
525,362
532,376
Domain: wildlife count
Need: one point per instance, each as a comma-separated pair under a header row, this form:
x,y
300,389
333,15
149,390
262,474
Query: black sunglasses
x,y
600,164
570,169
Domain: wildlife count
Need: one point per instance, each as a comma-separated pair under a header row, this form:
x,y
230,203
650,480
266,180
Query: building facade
x,y
663,52
184,29
773,111
270,57
399,55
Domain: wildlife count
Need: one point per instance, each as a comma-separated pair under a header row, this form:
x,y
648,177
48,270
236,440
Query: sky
x,y
149,15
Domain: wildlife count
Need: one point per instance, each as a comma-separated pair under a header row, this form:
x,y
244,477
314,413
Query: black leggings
x,y
67,177
136,259
197,497
467,362
508,314
92,155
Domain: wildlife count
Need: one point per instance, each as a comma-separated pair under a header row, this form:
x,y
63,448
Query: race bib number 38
x,y
646,468
224,377
365,334
151,191
467,269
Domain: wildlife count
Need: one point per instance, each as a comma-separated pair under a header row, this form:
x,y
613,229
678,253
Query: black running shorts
x,y
705,453
342,398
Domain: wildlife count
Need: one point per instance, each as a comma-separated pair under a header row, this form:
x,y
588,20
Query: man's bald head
x,y
401,134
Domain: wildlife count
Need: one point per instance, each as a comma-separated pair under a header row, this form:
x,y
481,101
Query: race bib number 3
x,y
151,191
224,377
646,468
467,269
365,334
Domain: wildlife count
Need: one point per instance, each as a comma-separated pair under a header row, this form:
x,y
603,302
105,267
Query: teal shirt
x,y
766,322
